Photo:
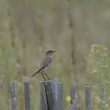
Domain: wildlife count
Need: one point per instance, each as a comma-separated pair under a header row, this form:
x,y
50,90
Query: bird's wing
x,y
45,62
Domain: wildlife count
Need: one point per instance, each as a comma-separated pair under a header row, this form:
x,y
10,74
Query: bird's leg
x,y
47,76
43,76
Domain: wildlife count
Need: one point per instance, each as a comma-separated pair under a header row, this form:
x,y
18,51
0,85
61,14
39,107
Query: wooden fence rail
x,y
51,97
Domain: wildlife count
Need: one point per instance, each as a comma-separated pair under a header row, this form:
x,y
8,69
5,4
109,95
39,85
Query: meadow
x,y
78,31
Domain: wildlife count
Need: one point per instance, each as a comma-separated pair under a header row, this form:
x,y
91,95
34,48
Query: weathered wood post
x,y
73,97
102,98
26,95
51,95
13,94
87,98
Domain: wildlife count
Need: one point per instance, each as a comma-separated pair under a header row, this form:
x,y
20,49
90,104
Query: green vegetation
x,y
98,66
99,63
28,28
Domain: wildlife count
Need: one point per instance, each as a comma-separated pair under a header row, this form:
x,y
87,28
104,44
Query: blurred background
x,y
29,27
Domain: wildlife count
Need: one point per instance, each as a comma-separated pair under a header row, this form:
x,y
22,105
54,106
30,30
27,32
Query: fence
x,y
51,95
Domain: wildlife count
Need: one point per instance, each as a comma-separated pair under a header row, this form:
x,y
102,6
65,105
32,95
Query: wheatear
x,y
47,60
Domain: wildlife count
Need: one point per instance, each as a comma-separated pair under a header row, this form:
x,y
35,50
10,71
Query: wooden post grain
x,y
73,97
13,94
26,95
102,98
51,95
87,98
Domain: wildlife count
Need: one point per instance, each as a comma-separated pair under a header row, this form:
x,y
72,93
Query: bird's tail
x,y
33,75
37,72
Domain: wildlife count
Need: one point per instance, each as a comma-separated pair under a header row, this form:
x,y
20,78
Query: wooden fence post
x,y
102,98
73,97
26,95
13,94
51,95
87,98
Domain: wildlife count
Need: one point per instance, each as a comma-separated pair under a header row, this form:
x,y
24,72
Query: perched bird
x,y
47,60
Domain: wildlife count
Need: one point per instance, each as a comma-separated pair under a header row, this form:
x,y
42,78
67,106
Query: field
x,y
78,31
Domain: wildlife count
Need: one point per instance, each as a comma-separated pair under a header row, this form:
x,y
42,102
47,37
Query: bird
x,y
47,60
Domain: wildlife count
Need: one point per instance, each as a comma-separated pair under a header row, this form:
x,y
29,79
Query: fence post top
x,y
26,81
13,81
51,80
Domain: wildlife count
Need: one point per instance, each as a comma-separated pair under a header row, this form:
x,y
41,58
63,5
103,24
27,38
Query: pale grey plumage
x,y
45,62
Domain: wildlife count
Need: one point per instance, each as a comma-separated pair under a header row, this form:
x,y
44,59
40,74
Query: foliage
x,y
98,66
27,28
99,63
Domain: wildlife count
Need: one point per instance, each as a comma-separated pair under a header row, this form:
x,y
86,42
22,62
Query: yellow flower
x,y
68,98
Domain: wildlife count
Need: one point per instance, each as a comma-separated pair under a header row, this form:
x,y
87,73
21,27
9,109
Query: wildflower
x,y
68,98
97,100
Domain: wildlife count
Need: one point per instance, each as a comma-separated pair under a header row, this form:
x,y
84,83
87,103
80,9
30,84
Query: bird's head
x,y
50,52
